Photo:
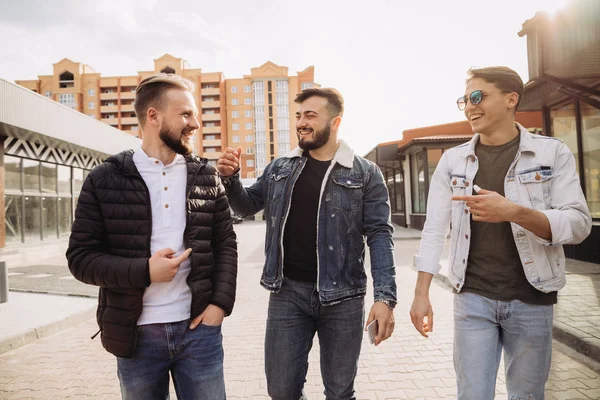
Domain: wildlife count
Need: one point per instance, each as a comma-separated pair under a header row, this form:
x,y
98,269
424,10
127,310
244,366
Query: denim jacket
x,y
542,177
353,204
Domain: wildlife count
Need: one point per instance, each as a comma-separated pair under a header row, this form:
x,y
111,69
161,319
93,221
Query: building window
x,y
92,116
134,128
283,123
249,163
67,99
235,127
235,139
417,172
234,89
590,129
283,148
235,114
399,185
248,114
258,87
248,125
259,112
48,94
234,102
91,92
306,85
249,138
209,137
91,105
248,101
249,150
211,150
247,89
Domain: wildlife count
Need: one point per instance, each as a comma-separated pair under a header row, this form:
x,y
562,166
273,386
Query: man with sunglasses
x,y
511,199
321,201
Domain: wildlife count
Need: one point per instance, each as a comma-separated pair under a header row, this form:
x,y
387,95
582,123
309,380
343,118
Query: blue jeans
x,y
482,328
295,314
194,358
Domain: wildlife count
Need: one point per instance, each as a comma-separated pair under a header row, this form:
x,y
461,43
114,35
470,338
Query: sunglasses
x,y
475,98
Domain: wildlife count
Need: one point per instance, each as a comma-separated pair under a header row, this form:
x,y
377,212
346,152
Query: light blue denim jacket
x,y
542,177
354,204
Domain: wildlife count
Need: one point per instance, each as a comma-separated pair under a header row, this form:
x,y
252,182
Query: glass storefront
x,y
417,177
590,129
586,151
39,199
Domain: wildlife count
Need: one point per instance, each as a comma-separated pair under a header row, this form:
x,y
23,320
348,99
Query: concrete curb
x,y
574,338
34,334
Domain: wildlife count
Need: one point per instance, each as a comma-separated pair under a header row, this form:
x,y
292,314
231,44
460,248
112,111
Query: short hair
x,y
151,92
502,77
335,101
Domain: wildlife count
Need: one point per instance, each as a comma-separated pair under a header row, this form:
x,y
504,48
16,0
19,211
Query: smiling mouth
x,y
304,132
475,117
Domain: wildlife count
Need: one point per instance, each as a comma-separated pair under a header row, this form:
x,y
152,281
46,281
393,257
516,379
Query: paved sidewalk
x,y
70,365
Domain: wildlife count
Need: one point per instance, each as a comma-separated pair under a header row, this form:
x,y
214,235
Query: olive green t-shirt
x,y
494,269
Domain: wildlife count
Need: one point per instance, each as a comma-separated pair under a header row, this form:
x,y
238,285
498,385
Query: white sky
x,y
399,64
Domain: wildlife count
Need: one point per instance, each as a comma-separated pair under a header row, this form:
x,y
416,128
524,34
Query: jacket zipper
x,y
185,241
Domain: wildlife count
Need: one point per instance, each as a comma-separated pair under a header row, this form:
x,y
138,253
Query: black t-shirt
x,y
494,269
300,235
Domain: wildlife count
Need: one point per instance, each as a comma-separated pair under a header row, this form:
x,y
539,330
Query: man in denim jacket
x,y
512,200
320,201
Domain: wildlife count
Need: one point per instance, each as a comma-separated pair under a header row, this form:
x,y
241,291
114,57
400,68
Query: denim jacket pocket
x,y
347,192
538,183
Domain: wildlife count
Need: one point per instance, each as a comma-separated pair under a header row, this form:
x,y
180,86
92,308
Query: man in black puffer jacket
x,y
153,230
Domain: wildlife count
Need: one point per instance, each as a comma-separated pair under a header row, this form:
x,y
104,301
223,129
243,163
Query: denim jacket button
x,y
466,236
466,183
466,211
332,215
457,285
454,182
348,182
330,247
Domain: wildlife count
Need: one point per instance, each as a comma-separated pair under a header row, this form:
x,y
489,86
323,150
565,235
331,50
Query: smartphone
x,y
372,331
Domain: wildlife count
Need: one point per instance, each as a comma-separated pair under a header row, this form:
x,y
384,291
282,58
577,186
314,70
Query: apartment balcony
x,y
211,143
211,155
127,108
211,129
109,96
109,109
211,117
110,121
127,95
211,92
211,104
129,121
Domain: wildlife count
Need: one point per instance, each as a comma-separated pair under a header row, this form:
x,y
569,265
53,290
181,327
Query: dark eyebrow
x,y
307,112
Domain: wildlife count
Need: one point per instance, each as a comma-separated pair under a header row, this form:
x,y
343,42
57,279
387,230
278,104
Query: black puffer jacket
x,y
110,244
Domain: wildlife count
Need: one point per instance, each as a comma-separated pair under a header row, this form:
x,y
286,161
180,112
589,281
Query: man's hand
x,y
489,206
229,161
163,266
421,315
212,315
385,321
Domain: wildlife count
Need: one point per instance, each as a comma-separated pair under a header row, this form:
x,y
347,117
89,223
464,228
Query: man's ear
x,y
152,116
335,123
513,100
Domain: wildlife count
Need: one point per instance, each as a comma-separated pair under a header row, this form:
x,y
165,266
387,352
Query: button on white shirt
x,y
166,301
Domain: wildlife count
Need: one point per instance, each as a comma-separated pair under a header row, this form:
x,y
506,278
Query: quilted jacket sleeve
x,y
88,253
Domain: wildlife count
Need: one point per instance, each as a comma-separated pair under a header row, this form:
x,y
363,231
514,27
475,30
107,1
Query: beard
x,y
320,138
175,141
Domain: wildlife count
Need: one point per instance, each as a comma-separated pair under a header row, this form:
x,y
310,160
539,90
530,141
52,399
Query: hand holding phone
x,y
372,331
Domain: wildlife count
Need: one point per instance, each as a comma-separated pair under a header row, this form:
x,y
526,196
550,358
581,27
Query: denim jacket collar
x,y
343,156
524,145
